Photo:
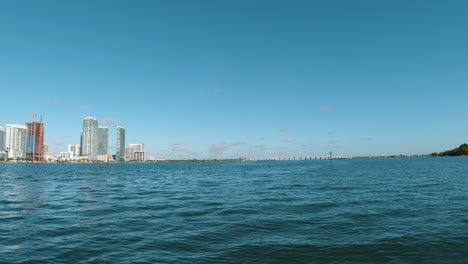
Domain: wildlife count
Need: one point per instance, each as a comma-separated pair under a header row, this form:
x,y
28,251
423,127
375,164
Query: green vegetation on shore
x,y
462,150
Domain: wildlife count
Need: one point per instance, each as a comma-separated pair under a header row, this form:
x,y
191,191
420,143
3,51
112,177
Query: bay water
x,y
404,210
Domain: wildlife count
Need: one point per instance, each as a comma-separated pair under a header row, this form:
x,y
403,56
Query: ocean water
x,y
412,210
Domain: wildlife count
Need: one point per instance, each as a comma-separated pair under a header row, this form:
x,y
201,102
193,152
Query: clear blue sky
x,y
227,78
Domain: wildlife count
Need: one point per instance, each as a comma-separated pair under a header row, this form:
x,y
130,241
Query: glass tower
x,y
103,142
2,139
120,144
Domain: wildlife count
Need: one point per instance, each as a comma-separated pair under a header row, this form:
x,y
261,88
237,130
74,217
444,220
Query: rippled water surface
x,y
343,211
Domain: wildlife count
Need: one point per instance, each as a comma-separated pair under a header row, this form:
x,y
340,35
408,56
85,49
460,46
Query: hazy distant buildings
x,y
103,136
66,155
74,151
120,144
137,147
89,144
15,141
49,156
128,154
35,141
135,152
139,156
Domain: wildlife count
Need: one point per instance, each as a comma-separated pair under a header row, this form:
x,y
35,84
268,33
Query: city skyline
x,y
229,79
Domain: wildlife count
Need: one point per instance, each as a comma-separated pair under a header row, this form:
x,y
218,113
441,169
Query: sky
x,y
223,79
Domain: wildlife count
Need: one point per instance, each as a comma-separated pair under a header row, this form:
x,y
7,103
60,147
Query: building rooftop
x,y
15,125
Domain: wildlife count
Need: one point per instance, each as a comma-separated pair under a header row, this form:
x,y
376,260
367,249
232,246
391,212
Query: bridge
x,y
297,158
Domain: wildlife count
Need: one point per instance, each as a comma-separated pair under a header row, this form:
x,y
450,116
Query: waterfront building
x,y
103,158
137,147
46,148
80,152
128,154
35,141
49,156
74,150
120,144
65,155
15,141
139,156
2,139
2,144
89,144
103,142
135,152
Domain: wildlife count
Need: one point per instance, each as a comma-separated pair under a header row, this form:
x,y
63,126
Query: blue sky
x,y
219,79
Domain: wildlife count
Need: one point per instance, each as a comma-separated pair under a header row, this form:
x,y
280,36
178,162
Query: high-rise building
x,y
135,152
137,147
35,141
2,144
120,144
80,151
15,141
2,139
75,149
103,142
89,144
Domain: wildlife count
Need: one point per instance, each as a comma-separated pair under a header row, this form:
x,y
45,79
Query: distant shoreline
x,y
218,160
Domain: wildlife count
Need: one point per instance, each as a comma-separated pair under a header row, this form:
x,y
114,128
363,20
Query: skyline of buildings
x,y
19,142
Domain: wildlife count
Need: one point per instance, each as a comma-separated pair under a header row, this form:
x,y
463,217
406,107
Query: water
x,y
344,211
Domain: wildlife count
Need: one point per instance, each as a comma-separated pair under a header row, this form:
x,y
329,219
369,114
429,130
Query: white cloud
x,y
176,147
218,149
108,121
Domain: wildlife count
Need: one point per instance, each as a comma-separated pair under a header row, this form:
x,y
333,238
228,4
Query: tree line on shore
x,y
462,150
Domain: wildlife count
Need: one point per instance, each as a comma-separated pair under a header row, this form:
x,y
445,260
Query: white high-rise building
x,y
74,151
135,152
137,147
90,138
15,141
